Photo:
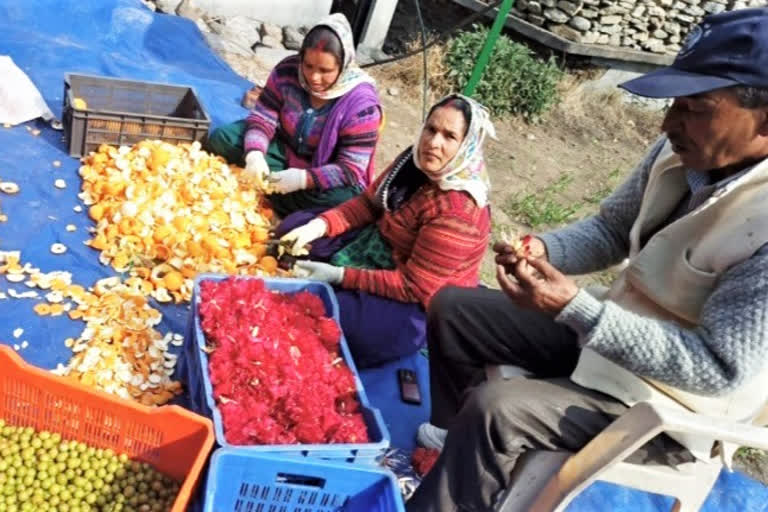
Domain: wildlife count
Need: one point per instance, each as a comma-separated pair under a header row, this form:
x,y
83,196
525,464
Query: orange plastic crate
x,y
173,440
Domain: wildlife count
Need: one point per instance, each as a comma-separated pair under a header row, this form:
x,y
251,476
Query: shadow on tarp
x,y
121,38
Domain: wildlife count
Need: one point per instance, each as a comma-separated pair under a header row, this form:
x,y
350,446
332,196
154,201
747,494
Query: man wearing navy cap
x,y
684,325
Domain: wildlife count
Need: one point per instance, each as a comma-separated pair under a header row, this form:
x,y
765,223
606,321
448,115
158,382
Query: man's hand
x,y
539,285
287,181
509,253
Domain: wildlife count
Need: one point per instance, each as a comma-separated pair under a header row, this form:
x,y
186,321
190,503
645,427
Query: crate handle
x,y
308,481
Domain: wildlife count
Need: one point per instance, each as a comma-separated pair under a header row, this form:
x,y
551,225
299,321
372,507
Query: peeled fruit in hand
x,y
522,246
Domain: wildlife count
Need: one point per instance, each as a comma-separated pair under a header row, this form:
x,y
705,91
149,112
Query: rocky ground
x,y
657,26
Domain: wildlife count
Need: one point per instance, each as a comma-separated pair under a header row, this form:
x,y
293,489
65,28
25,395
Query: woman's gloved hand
x,y
256,166
287,181
301,236
317,271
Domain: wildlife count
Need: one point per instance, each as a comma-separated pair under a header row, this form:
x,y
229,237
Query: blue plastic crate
x,y
243,481
201,391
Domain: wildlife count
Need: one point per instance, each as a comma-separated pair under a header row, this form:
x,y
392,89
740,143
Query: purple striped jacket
x,y
283,110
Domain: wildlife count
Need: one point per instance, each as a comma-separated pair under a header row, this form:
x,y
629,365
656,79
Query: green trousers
x,y
367,250
227,141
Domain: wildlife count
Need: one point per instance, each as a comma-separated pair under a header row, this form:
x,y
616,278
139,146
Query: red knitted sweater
x,y
437,237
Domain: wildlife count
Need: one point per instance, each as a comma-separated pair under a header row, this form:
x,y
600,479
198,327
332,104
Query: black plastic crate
x,y
124,112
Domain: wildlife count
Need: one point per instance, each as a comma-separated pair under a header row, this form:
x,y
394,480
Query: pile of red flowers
x,y
275,366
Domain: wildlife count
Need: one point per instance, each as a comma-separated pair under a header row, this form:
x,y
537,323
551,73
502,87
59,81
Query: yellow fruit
x,y
229,267
259,250
127,226
113,188
159,158
241,241
96,212
181,223
259,235
161,233
210,243
195,249
79,104
268,263
173,280
120,260
162,252
42,309
222,252
99,243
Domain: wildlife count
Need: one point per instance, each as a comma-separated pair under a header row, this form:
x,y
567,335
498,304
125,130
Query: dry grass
x,y
407,74
578,106
604,109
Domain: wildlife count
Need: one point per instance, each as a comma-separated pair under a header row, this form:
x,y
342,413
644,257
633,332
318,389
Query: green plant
x,y
596,196
745,452
543,207
515,81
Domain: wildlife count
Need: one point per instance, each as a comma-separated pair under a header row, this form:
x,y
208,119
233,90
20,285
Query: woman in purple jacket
x,y
313,131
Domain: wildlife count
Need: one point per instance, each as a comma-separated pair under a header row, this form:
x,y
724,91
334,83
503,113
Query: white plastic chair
x,y
545,481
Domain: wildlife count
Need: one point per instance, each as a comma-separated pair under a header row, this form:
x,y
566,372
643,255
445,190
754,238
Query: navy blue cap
x,y
724,50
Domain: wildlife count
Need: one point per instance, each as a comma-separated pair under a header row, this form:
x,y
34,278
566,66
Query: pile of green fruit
x,y
39,472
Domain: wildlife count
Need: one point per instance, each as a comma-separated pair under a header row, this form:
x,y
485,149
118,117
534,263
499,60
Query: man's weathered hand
x,y
539,286
507,254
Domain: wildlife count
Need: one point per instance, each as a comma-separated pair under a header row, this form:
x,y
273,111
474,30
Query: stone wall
x,y
239,38
278,12
657,26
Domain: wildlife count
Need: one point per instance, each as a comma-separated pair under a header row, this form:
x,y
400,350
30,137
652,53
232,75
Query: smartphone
x,y
409,386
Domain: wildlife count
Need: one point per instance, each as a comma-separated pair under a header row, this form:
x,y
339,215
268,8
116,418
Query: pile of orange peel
x,y
164,213
118,351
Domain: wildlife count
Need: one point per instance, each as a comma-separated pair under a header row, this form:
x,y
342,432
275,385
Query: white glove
x,y
287,181
256,165
302,235
317,271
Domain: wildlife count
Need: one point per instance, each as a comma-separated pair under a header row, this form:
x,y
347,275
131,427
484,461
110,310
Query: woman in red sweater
x,y
424,223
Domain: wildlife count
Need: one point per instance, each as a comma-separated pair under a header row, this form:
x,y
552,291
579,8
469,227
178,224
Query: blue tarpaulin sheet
x,y
121,38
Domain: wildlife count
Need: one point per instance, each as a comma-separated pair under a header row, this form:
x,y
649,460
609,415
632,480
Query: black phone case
x,y
409,386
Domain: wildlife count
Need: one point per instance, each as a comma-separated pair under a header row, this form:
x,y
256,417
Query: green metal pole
x,y
490,41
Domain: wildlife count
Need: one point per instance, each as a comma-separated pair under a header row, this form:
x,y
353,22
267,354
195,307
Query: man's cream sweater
x,y
687,320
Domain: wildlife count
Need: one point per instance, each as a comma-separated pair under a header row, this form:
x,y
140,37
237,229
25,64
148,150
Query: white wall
x,y
377,25
280,12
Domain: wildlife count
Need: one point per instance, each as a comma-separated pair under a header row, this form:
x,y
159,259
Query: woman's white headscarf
x,y
350,74
466,170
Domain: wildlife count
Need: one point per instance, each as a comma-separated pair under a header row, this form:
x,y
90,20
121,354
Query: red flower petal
x,y
275,369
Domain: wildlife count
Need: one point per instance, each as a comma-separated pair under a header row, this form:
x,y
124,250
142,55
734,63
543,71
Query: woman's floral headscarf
x,y
350,75
466,170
